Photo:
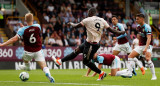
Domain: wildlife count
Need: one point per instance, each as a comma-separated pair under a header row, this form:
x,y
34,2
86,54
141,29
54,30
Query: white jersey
x,y
136,42
94,26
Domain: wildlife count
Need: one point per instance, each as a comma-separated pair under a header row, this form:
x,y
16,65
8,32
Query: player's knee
x,y
85,62
77,50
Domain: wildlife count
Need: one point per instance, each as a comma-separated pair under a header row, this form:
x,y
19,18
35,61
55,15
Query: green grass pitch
x,y
75,77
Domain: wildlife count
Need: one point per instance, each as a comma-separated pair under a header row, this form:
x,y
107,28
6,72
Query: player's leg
x,y
88,53
40,59
151,65
130,60
115,66
116,50
140,65
70,56
27,56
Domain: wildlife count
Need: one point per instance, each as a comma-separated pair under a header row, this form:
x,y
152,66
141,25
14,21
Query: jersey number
x,y
97,25
32,39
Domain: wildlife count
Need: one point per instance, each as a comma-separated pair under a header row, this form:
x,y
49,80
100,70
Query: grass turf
x,y
75,78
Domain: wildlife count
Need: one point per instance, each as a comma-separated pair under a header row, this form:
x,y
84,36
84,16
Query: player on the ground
x,y
109,60
94,26
123,44
145,46
32,45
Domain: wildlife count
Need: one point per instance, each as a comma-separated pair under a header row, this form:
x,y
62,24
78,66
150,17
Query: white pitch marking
x,y
66,83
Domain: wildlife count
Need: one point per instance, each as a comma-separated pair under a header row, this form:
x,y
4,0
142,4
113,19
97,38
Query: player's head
x,y
29,17
114,19
140,18
138,36
92,11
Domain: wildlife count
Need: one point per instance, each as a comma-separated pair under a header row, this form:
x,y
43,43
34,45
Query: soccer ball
x,y
24,76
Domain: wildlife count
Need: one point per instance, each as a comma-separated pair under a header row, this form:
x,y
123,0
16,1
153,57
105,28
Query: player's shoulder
x,y
119,25
36,25
147,26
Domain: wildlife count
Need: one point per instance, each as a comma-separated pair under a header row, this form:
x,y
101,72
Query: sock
x,y
130,62
93,67
151,67
46,70
69,56
119,73
133,65
27,66
137,62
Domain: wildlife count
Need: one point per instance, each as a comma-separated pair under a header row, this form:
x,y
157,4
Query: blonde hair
x,y
29,17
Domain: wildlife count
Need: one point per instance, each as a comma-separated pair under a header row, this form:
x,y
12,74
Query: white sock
x,y
119,73
27,66
130,62
151,67
46,70
137,62
133,64
60,61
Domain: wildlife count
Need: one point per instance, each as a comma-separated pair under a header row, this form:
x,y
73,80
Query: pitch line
x,y
65,83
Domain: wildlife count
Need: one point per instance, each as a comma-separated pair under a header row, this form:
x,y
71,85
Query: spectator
x,y
50,7
109,14
108,42
46,17
53,19
124,25
95,4
59,41
16,27
1,39
65,41
132,36
125,20
119,19
48,33
16,13
1,18
78,41
51,40
134,25
130,21
72,41
102,41
156,42
83,39
88,4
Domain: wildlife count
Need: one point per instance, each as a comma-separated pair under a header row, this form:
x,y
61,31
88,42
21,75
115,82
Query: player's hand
x,y
114,38
70,24
122,32
86,76
1,44
144,51
21,25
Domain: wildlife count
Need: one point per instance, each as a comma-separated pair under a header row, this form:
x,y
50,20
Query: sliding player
x,y
94,26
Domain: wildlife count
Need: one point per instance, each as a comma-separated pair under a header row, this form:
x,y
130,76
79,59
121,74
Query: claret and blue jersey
x,y
31,37
144,31
122,39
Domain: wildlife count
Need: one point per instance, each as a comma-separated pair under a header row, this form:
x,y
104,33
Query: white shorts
x,y
38,56
139,49
123,47
116,63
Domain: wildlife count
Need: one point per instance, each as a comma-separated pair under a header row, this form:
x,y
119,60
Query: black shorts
x,y
88,50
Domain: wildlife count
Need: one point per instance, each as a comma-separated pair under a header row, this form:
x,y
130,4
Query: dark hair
x,y
114,16
92,11
140,15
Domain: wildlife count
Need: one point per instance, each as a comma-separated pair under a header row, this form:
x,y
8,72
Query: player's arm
x,y
115,31
10,41
75,25
99,67
147,44
88,72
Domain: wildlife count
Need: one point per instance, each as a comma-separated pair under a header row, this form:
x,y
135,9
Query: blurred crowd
x,y
58,13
